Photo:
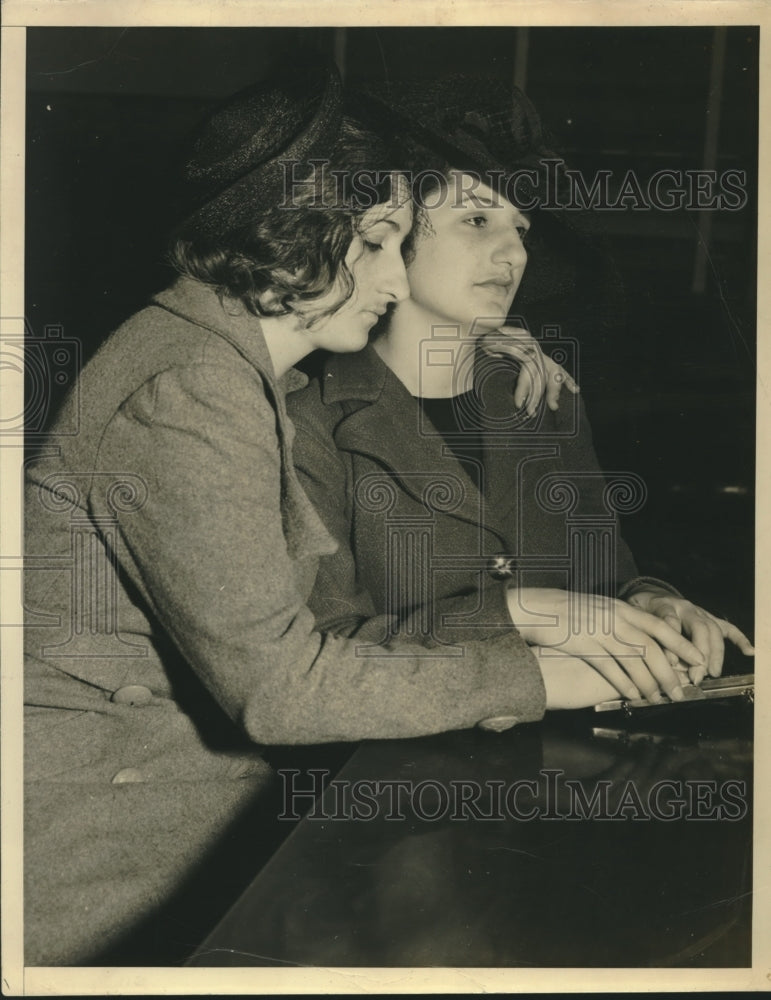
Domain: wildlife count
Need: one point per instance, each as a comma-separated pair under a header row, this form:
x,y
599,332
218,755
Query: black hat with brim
x,y
488,127
477,124
238,162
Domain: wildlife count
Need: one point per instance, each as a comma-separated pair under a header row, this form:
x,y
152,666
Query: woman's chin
x,y
351,344
486,324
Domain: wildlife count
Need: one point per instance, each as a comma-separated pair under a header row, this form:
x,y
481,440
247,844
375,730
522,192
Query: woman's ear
x,y
269,302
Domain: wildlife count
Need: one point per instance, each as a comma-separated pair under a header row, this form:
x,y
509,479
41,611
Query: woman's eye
x,y
372,246
477,221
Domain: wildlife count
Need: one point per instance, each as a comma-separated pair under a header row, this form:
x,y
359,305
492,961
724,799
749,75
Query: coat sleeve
x,y
208,552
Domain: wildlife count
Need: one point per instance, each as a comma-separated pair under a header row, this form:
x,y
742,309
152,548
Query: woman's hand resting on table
x,y
707,632
625,645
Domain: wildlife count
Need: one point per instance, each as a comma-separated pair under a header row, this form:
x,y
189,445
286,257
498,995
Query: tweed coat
x,y
386,484
170,552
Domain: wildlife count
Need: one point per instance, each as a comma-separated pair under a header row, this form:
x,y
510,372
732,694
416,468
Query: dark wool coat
x,y
170,553
417,539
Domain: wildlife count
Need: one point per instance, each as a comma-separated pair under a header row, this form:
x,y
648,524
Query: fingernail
x,y
677,694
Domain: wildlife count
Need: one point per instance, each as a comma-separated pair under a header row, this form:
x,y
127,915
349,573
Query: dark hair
x,y
431,176
295,250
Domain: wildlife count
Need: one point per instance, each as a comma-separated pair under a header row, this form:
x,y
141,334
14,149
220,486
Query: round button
x,y
497,723
501,567
128,776
132,694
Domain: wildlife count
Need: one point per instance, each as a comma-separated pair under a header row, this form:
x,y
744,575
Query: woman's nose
x,y
510,250
395,283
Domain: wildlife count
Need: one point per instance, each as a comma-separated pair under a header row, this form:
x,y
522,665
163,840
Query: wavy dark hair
x,y
295,253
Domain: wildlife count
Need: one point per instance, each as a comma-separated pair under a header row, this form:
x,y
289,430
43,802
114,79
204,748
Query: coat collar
x,y
358,377
381,415
228,318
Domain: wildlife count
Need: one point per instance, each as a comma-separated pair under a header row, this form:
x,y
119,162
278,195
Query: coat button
x,y
497,723
501,567
128,775
132,694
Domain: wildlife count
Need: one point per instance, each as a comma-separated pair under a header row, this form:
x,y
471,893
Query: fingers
x,y
553,390
665,635
651,672
673,621
534,367
608,667
630,659
697,674
557,377
704,634
530,384
707,637
523,388
638,676
568,381
707,632
734,635
528,390
539,376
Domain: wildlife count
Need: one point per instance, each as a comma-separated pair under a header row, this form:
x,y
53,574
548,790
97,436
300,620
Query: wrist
x,y
527,611
647,584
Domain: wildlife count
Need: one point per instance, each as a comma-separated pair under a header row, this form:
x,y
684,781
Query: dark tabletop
x,y
587,840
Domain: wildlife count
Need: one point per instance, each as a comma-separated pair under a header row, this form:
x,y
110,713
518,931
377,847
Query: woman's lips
x,y
495,285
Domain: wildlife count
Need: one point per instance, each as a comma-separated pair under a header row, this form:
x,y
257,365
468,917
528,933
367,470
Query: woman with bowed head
x,y
451,504
171,549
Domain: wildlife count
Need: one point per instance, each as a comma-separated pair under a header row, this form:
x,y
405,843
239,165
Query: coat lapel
x,y
386,424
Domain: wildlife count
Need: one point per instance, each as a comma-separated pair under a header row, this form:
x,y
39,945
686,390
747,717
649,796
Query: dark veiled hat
x,y
482,124
235,165
473,123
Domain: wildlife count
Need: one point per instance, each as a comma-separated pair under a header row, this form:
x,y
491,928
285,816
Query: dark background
x,y
667,343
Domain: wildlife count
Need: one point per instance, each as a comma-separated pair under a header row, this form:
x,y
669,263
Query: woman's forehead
x,y
397,210
466,188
